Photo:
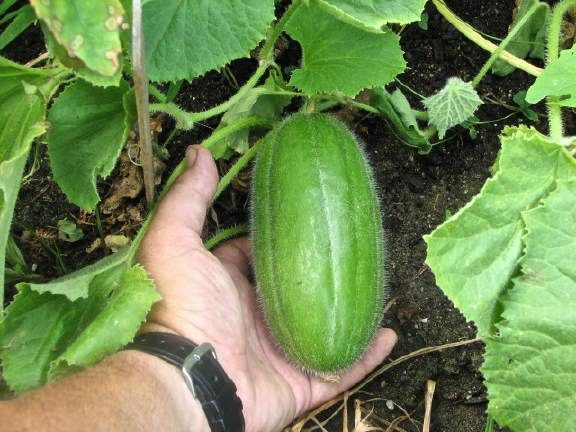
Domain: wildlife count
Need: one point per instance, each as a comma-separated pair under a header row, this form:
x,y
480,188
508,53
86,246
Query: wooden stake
x,y
140,77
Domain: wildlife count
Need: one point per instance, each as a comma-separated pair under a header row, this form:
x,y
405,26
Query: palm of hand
x,y
208,298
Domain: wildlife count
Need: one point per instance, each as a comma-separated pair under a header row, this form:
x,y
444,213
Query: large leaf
x,y
186,38
88,33
23,95
45,335
349,60
89,126
530,366
375,14
475,253
76,285
557,80
455,103
114,326
530,39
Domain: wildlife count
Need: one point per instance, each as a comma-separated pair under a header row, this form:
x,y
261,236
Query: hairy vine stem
x,y
186,120
553,50
469,31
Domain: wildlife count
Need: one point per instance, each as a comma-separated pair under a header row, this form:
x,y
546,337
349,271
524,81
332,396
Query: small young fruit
x,y
318,242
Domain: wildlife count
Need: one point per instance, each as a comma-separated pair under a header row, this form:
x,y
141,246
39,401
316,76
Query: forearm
x,y
129,391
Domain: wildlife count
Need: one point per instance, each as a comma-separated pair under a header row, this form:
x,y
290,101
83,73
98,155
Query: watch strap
x,y
204,375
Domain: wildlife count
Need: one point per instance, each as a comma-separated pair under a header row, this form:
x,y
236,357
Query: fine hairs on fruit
x,y
318,243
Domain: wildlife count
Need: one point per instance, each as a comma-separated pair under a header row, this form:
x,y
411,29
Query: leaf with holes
x,y
87,34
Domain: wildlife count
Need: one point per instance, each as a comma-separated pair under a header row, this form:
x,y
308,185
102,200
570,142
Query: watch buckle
x,y
192,359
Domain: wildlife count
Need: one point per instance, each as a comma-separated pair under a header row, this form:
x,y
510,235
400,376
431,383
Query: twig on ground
x,y
430,388
299,424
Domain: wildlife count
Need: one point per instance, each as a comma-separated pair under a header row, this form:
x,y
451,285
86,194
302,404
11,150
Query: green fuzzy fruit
x,y
318,242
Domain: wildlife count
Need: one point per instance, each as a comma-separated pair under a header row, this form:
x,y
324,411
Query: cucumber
x,y
318,242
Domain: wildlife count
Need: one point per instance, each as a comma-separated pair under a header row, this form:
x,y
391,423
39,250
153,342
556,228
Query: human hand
x,y
207,297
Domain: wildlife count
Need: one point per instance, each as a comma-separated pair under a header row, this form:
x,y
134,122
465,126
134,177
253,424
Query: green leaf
x,y
75,64
23,95
24,18
396,108
89,126
256,103
519,99
76,285
530,369
475,253
88,32
47,335
187,38
373,15
530,40
452,105
334,63
68,231
114,326
556,80
5,5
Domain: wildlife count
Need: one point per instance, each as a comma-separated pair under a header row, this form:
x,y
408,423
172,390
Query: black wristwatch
x,y
203,374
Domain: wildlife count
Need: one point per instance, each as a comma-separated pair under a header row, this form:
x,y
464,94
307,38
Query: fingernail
x,y
191,153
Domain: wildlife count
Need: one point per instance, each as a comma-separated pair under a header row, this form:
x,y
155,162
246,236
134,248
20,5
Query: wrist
x,y
202,373
173,392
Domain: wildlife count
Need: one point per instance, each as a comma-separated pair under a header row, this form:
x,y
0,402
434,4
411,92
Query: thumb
x,y
183,210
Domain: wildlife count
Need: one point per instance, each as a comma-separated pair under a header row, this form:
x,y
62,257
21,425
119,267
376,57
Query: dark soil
x,y
417,191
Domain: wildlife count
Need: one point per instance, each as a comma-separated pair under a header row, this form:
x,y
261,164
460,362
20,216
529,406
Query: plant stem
x,y
227,130
511,35
185,120
141,93
553,49
469,31
225,234
235,169
153,90
267,51
99,227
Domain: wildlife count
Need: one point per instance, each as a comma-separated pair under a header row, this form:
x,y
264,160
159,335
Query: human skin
x,y
207,297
